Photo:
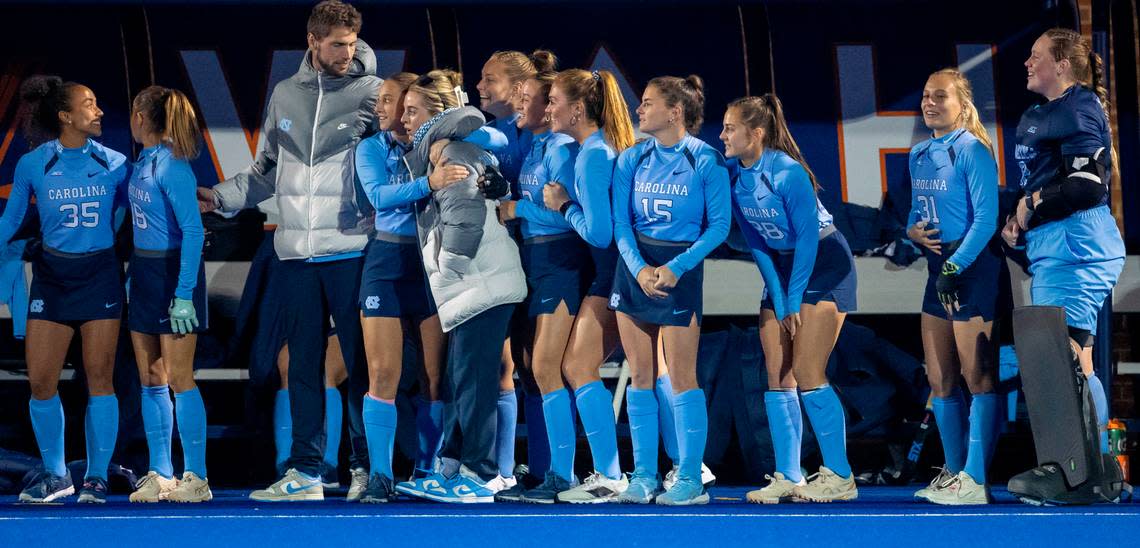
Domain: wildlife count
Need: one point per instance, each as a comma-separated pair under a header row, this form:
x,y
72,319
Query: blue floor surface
x,y
883,516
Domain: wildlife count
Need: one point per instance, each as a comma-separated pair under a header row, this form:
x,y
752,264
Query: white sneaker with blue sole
x,y
292,487
466,487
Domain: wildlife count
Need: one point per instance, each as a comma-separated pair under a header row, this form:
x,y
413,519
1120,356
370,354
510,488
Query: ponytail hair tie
x,y
597,77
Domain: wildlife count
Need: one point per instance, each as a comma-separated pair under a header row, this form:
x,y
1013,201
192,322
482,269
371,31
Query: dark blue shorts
x,y
392,282
76,288
684,300
978,289
832,277
605,267
153,278
556,270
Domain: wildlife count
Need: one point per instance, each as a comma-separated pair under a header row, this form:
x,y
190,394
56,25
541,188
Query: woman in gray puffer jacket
x,y
475,276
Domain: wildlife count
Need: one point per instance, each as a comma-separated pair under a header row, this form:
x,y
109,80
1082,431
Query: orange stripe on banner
x,y
213,154
5,191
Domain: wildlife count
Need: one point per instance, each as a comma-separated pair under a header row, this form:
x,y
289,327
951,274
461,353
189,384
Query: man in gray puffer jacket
x,y
314,121
476,276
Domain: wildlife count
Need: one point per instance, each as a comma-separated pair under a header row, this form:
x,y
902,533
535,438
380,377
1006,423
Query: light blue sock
x,y
47,423
559,432
537,446
667,422
334,415
102,430
983,435
1100,402
380,433
950,415
191,413
507,425
692,431
826,415
282,426
783,407
158,422
641,406
595,406
429,431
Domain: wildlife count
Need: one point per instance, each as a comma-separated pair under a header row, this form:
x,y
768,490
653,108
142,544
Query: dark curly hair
x,y
44,97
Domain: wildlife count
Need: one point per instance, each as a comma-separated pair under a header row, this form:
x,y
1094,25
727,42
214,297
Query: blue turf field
x,y
883,516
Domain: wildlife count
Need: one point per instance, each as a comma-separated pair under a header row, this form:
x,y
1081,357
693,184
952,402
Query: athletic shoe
x,y
191,489
153,488
513,493
329,479
417,487
292,487
46,487
419,473
597,488
707,477
685,492
778,490
960,490
358,484
547,491
826,486
641,490
466,487
94,491
379,491
944,476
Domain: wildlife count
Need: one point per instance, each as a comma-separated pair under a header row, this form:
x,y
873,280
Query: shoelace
x,y
942,479
593,478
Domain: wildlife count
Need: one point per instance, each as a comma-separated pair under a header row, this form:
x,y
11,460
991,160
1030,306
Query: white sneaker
x,y
960,490
778,489
596,489
358,484
191,489
153,488
499,483
293,486
936,484
509,482
827,486
707,477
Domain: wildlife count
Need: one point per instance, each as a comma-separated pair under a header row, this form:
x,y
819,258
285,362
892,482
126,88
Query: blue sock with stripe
x,y
559,432
641,406
692,431
102,430
191,413
1100,403
47,423
282,427
667,422
429,431
983,435
380,433
783,407
537,446
158,422
507,423
825,412
595,406
953,424
334,417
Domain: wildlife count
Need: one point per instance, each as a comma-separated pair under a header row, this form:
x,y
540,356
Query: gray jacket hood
x,y
453,124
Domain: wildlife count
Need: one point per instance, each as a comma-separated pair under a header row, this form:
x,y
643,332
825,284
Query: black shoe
x,y
547,492
1045,486
46,487
380,490
514,494
94,491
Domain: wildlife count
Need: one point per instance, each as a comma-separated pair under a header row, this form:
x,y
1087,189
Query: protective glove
x,y
183,317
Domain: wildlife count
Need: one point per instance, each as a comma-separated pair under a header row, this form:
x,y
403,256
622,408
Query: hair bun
x,y
544,60
35,88
696,82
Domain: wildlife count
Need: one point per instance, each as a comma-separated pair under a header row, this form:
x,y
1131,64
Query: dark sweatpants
x,y
471,390
316,291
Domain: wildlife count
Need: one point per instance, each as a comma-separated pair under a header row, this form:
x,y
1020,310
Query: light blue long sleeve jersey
x,y
511,156
777,210
954,188
164,211
385,180
76,191
590,213
551,158
675,194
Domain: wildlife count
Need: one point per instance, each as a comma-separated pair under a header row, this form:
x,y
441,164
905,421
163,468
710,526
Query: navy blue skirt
x,y
76,288
832,276
153,278
605,268
977,289
684,300
392,282
556,270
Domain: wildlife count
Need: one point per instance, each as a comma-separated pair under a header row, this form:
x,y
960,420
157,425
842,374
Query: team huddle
x,y
530,238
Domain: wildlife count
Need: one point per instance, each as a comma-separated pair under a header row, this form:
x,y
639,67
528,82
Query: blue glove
x,y
183,317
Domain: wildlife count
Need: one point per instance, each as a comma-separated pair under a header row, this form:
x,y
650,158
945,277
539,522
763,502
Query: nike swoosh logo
x,y
164,320
544,301
678,172
691,431
290,490
110,305
812,291
564,446
678,312
89,175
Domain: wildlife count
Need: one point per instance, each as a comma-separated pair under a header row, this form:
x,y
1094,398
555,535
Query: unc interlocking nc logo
x,y
615,300
372,302
36,306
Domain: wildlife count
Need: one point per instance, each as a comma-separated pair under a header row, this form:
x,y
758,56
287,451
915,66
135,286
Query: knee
x,y
941,386
182,381
42,388
642,378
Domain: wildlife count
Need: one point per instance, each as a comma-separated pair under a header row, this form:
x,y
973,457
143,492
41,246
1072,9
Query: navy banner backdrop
x,y
850,75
